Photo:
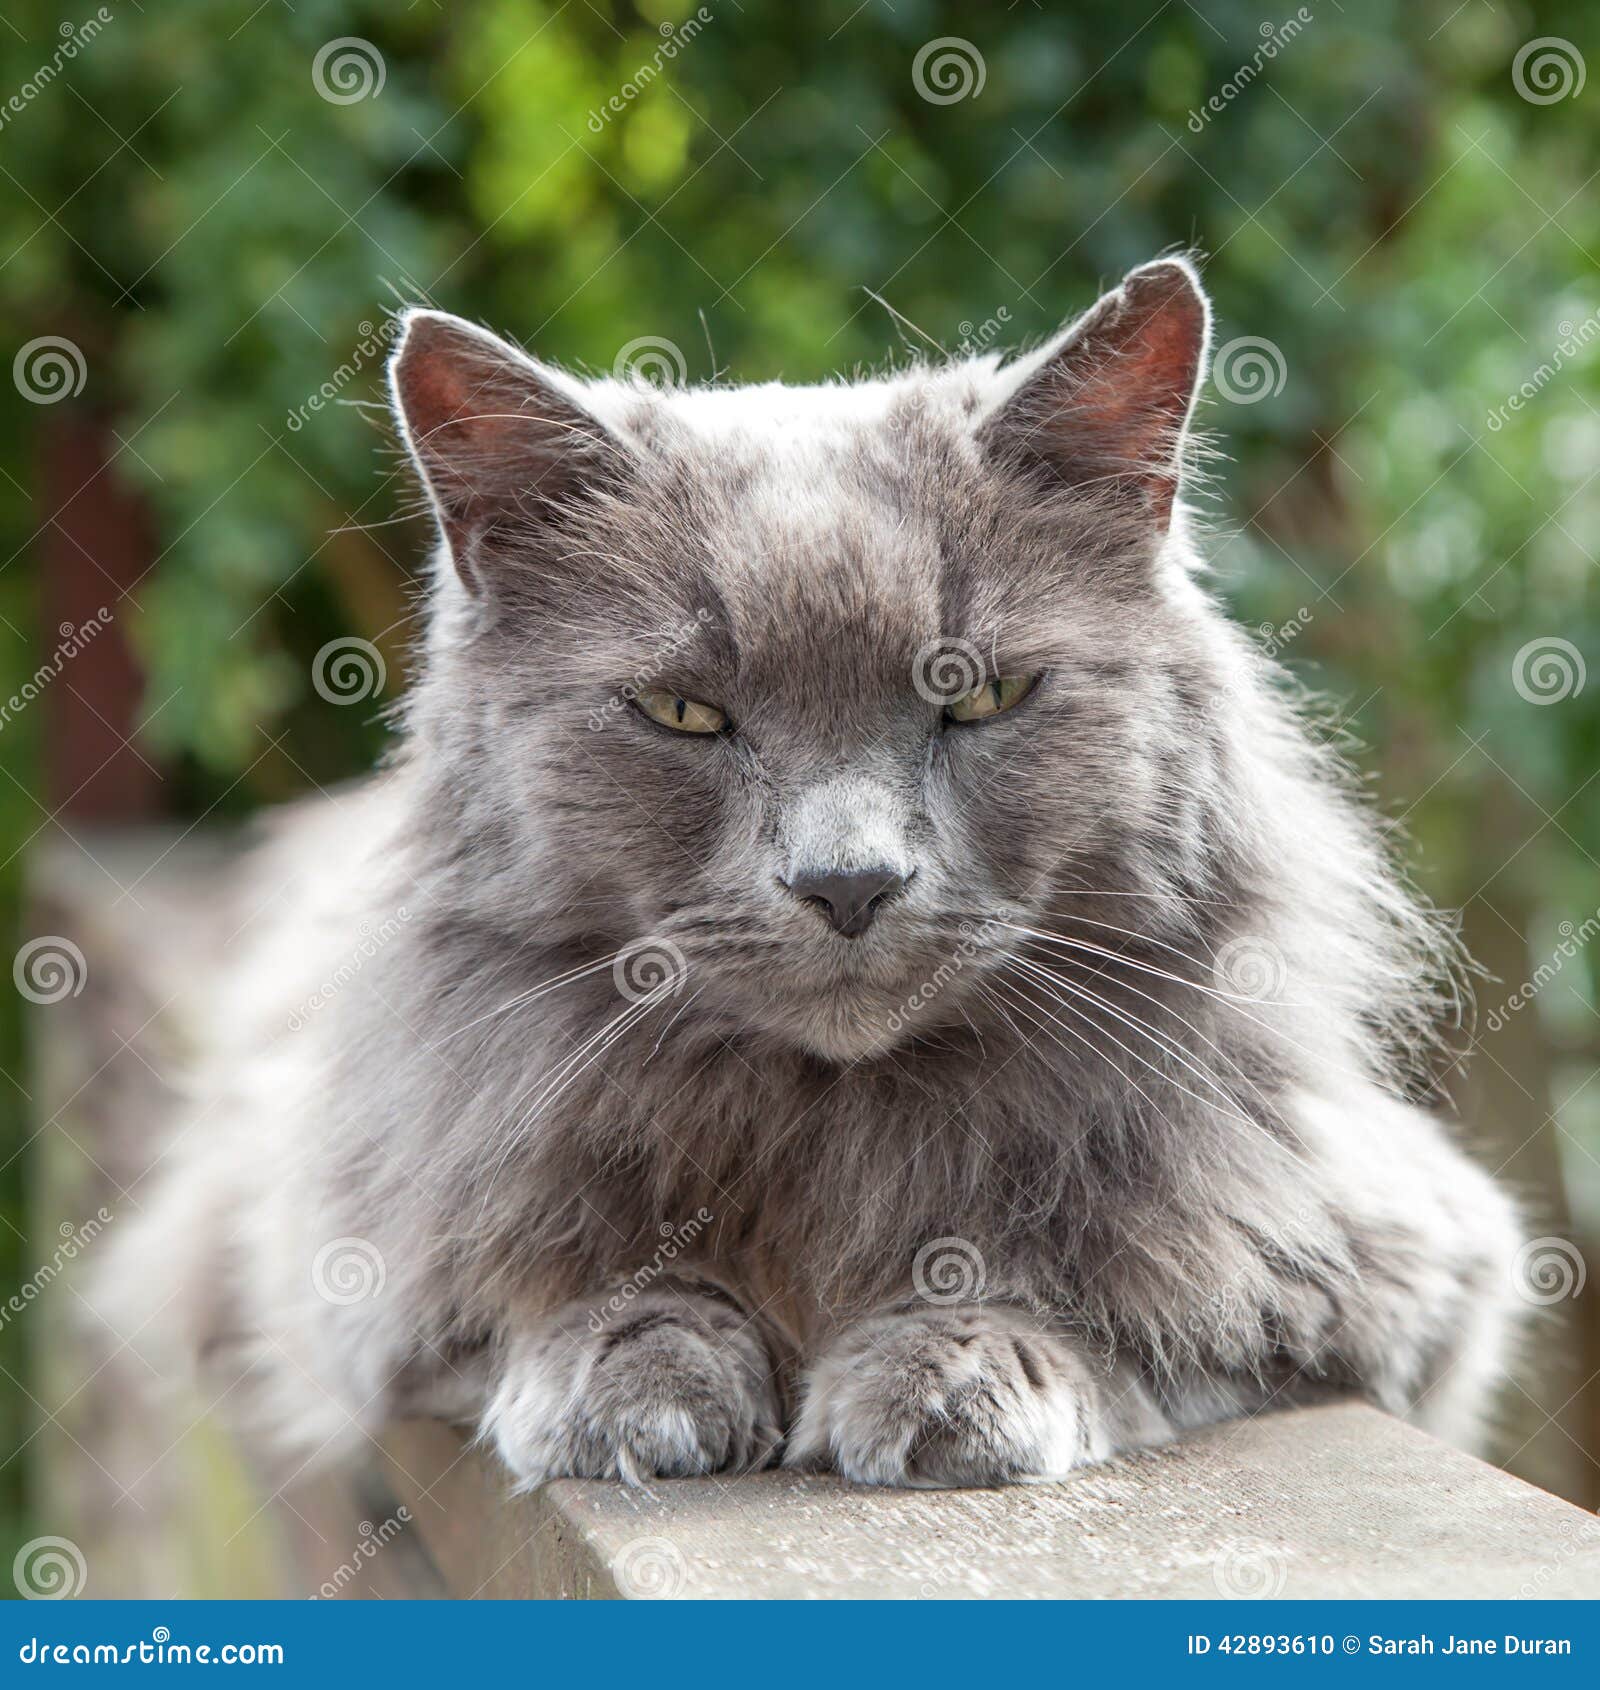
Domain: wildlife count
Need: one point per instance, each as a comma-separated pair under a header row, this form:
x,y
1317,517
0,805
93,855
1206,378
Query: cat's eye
x,y
993,698
683,715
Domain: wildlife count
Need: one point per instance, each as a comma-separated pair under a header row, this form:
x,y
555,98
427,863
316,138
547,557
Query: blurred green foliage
x,y
1380,202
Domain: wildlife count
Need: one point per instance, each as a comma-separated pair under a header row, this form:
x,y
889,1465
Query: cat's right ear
x,y
503,444
1106,405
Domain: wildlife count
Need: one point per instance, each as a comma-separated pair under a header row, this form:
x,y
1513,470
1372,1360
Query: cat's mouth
x,y
859,1009
840,997
836,1032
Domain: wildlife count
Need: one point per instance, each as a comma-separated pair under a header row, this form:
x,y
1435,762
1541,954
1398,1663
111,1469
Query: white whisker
x,y
571,1069
1133,962
533,992
1184,1022
1233,1002
655,1049
1234,1113
1021,1001
1132,1021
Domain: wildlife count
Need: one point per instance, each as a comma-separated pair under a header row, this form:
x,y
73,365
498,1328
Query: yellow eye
x,y
685,715
991,699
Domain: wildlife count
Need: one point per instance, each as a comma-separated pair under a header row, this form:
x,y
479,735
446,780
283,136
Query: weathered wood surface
x,y
1338,1500
1329,1501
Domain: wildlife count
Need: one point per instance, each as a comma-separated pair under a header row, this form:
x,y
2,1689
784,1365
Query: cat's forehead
x,y
844,526
827,496
784,415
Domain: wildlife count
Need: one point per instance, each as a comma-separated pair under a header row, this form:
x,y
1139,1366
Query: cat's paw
x,y
679,1384
959,1396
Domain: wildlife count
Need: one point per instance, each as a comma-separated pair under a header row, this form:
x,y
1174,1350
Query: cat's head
x,y
820,693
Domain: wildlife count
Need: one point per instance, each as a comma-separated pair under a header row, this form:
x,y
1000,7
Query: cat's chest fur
x,y
804,1186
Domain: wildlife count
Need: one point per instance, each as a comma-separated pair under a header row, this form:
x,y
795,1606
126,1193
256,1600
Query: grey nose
x,y
849,899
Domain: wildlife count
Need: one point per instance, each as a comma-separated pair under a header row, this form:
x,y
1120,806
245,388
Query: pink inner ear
x,y
458,397
1166,356
1109,406
434,395
1136,377
498,444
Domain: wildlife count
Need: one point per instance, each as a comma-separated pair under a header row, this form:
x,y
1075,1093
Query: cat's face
x,y
817,695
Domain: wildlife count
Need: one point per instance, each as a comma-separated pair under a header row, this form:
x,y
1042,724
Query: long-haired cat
x,y
854,959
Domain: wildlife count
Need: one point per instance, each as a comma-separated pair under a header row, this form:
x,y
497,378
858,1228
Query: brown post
x,y
94,546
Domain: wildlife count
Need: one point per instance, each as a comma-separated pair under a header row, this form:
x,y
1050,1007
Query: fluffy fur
x,y
1101,1129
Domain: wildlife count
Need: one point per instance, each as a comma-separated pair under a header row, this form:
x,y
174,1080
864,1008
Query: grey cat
x,y
854,959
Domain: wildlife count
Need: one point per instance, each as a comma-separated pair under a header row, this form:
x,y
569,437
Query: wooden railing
x,y
1335,1500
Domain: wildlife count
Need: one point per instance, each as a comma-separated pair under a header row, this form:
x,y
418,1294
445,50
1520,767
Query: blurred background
x,y
207,213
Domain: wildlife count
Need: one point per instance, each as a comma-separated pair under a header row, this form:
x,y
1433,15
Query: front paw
x,y
677,1385
960,1396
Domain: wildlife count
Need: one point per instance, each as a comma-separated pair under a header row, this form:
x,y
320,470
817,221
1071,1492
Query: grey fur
x,y
1174,1198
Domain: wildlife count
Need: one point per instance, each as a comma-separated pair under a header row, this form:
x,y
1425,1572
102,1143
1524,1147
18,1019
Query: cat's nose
x,y
850,899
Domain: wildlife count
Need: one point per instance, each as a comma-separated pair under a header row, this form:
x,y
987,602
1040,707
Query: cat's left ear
x,y
1104,405
505,445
